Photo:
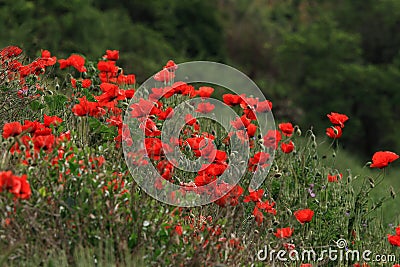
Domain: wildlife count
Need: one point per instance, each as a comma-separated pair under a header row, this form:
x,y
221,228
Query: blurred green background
x,y
309,57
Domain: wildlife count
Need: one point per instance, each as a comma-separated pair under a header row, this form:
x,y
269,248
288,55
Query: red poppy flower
x,y
126,79
241,123
214,169
170,65
305,265
112,55
31,126
47,59
204,179
259,158
286,128
254,196
334,132
143,108
205,91
258,215
167,114
264,106
334,178
272,138
107,66
394,240
231,198
232,100
337,118
398,230
190,120
5,178
284,232
183,89
178,230
381,159
164,76
154,148
266,206
12,129
287,147
51,120
304,215
150,128
75,61
44,142
85,107
205,107
86,83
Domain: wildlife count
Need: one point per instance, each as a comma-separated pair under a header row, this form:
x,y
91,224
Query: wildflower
x,y
287,147
112,55
75,61
272,138
51,120
337,119
164,76
12,129
334,178
304,215
264,106
394,240
254,196
284,232
205,91
286,128
258,215
381,159
205,107
334,132
232,100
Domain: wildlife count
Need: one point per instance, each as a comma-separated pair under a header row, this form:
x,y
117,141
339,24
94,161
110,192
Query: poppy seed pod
x,y
392,193
314,144
312,137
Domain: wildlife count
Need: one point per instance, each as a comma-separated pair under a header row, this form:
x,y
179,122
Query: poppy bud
x,y
334,154
57,87
312,137
277,175
4,144
392,192
314,144
10,140
298,132
22,148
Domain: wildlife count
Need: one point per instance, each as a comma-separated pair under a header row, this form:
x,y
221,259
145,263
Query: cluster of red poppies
x,y
338,121
11,62
17,185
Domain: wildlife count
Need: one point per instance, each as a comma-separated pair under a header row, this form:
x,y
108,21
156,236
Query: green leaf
x,y
36,105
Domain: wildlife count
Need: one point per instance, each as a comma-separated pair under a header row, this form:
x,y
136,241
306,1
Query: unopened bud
x,y
392,192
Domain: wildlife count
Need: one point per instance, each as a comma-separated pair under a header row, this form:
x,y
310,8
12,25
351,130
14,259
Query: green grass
x,y
346,161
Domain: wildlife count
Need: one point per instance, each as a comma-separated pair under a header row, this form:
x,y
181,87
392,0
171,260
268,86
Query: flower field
x,y
68,195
